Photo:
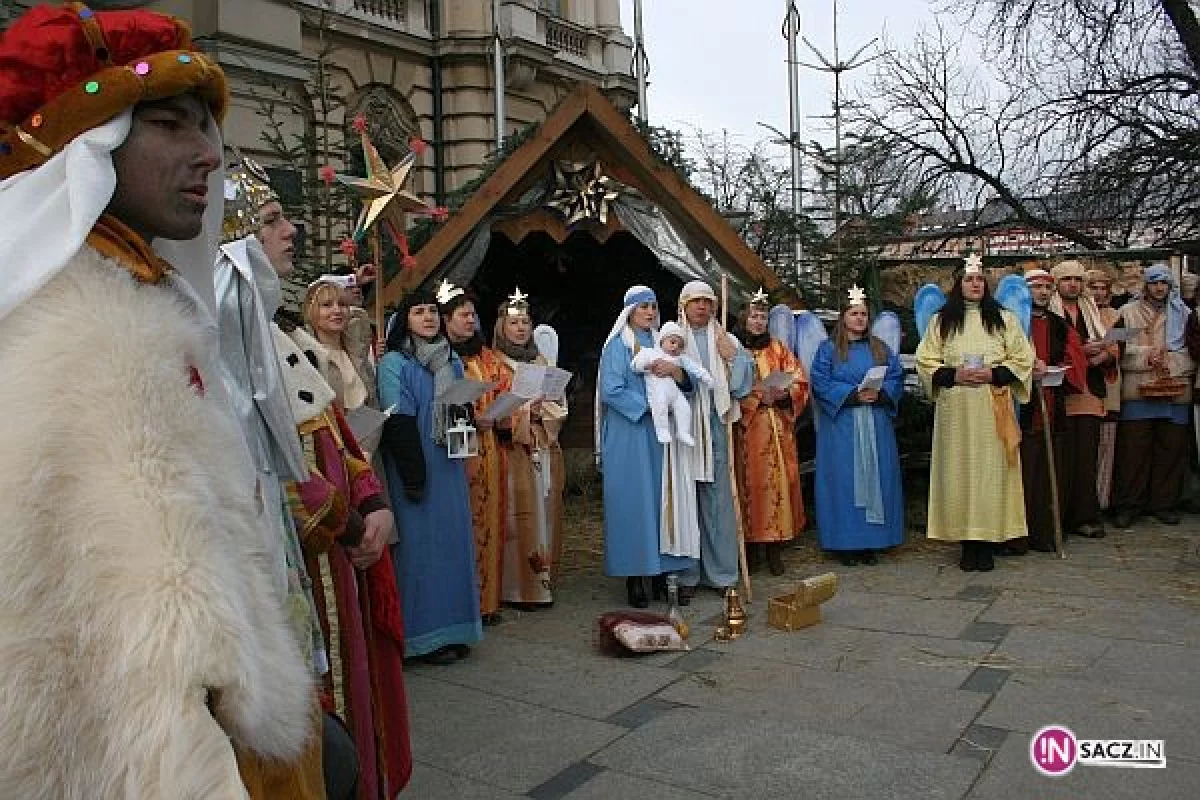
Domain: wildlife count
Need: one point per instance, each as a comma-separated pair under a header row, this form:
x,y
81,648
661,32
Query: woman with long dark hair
x,y
860,501
974,361
435,552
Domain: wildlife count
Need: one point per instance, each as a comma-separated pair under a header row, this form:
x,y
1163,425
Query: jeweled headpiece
x,y
67,69
516,304
247,190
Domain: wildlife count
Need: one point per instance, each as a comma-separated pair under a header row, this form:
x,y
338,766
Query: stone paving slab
x,y
900,657
431,783
900,614
1165,668
742,757
1093,710
1011,776
1101,616
513,745
611,785
553,677
911,716
1046,651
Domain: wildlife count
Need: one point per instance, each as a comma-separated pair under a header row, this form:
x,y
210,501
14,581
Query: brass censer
x,y
734,624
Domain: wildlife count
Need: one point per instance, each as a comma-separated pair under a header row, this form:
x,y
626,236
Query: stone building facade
x,y
301,70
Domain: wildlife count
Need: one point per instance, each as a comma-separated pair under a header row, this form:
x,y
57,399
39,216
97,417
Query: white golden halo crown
x,y
447,291
973,264
517,303
856,296
760,298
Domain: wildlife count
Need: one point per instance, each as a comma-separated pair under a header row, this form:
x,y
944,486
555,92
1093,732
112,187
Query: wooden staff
x,y
743,567
377,260
1054,504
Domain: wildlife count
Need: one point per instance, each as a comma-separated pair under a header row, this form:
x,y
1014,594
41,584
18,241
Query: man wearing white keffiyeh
x,y
712,409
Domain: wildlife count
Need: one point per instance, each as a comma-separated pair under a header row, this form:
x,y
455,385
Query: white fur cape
x,y
132,579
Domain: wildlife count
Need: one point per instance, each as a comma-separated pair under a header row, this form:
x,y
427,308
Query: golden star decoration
x,y
384,192
581,191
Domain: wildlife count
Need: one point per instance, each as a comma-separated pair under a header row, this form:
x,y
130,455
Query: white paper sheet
x,y
1053,376
366,424
537,381
465,392
777,380
503,406
1115,335
874,378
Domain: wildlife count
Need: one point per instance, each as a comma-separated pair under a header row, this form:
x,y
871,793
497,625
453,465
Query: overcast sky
x,y
721,63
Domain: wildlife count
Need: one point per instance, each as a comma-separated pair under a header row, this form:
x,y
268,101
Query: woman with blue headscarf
x,y
630,455
1152,441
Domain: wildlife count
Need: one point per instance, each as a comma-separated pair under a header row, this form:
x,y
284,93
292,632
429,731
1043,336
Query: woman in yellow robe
x,y
768,466
487,472
973,361
536,472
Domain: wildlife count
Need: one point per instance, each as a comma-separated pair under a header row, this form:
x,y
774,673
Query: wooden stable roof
x,y
586,123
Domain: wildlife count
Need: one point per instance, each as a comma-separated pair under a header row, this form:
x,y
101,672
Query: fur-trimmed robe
x,y
134,586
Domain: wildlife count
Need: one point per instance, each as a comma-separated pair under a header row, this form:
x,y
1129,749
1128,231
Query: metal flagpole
x,y
498,68
641,63
791,32
743,566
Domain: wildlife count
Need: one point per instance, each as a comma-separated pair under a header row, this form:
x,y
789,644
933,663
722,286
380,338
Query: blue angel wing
x,y
1013,293
809,332
887,328
779,324
928,301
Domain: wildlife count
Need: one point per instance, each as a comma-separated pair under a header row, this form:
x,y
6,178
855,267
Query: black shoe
x,y
754,557
1123,518
983,558
491,620
636,589
442,657
460,651
1091,531
1010,550
658,587
775,558
868,557
849,558
686,593
1167,517
968,562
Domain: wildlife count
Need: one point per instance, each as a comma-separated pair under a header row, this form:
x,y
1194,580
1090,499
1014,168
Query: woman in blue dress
x,y
435,554
631,457
860,503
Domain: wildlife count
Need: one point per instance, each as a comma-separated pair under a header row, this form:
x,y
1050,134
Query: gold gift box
x,y
802,608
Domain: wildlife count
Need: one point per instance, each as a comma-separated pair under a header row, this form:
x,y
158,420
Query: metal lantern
x,y
462,441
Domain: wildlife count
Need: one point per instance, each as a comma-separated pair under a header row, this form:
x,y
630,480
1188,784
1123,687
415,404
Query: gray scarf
x,y
436,356
526,353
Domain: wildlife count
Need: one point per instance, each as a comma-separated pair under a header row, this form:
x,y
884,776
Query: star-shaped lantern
x,y
760,298
581,191
973,264
386,198
857,296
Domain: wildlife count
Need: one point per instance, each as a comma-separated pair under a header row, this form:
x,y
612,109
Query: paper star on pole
x,y
384,192
857,296
581,191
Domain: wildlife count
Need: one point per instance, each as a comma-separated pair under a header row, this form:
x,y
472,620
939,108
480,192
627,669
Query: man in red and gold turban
x,y
145,651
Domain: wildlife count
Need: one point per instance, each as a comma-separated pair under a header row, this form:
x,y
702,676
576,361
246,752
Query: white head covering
x,y
49,212
719,397
634,296
670,329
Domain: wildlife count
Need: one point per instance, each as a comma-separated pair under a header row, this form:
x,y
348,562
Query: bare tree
x,y
1083,120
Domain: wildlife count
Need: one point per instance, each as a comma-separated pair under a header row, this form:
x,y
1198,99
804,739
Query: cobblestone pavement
x,y
921,682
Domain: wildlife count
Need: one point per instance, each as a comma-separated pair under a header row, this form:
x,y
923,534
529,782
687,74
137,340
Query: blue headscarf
x,y
1177,310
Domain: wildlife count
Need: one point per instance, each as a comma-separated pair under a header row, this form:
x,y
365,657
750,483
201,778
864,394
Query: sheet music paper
x,y
874,378
464,392
537,381
1115,335
777,380
366,424
503,406
1053,376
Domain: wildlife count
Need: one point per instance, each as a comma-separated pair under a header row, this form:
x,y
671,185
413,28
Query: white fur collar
x,y
307,391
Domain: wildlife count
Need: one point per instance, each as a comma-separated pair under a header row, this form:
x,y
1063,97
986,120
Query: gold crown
x,y
517,303
247,190
760,298
857,296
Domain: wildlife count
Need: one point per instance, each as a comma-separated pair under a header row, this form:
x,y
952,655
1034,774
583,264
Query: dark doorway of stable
x,y
577,288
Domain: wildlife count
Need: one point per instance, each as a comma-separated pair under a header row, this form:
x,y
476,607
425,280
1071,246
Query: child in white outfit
x,y
663,394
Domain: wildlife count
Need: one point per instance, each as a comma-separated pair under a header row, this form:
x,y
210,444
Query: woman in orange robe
x,y
768,466
487,474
